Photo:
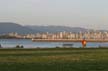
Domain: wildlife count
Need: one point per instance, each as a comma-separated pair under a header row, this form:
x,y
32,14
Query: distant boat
x,y
67,45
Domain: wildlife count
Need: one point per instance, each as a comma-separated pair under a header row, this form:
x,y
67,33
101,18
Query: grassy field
x,y
54,59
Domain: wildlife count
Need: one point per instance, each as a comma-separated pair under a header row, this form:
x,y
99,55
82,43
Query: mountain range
x,y
8,27
54,29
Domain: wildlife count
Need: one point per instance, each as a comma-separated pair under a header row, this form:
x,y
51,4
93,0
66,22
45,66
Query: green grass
x,y
54,59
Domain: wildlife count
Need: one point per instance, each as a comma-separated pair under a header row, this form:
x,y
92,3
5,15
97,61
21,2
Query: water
x,y
27,43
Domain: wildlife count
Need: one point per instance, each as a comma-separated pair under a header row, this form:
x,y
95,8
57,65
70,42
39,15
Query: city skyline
x,y
73,13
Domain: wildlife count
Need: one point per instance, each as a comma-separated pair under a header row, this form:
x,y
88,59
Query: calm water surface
x,y
27,43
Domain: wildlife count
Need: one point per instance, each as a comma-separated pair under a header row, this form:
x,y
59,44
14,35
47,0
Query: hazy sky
x,y
74,13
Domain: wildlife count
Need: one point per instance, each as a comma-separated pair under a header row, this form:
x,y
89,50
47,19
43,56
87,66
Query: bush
x,y
18,46
22,46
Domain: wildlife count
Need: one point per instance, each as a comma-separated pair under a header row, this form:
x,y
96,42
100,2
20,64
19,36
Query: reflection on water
x,y
29,44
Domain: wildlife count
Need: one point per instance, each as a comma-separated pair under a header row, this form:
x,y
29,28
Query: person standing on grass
x,y
84,42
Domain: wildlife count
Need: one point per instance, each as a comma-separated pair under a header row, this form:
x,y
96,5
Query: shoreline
x,y
68,40
60,48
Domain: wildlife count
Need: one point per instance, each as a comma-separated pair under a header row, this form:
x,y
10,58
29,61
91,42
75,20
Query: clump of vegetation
x,y
0,46
57,47
18,46
21,46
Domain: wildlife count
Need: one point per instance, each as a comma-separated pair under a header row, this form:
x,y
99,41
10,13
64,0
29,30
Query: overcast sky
x,y
74,13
